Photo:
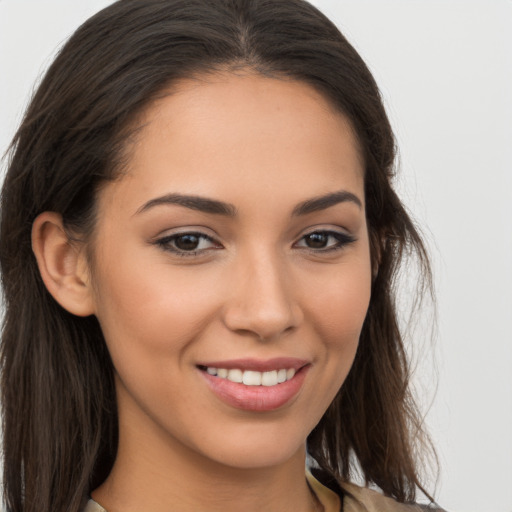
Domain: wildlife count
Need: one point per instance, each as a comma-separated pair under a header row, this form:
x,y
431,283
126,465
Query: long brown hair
x,y
59,411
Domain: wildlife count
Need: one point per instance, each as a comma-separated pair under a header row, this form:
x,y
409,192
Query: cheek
x,y
337,315
341,308
152,309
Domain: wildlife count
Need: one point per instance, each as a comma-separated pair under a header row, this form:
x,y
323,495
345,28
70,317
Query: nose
x,y
262,301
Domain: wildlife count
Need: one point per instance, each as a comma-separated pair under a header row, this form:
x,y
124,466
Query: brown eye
x,y
317,240
187,242
325,241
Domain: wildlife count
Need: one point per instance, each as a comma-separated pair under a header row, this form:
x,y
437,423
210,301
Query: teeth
x,y
253,378
269,378
235,375
281,376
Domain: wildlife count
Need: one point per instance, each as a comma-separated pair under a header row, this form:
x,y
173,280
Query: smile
x,y
255,385
251,377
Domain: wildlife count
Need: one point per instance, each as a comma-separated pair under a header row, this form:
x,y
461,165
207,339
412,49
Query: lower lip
x,y
256,398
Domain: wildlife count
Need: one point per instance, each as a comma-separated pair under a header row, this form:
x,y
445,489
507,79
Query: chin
x,y
245,457
256,447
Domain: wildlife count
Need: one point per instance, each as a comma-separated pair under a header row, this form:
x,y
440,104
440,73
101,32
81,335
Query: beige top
x,y
362,499
356,499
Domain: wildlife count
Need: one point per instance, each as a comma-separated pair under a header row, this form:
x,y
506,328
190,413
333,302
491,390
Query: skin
x,y
253,289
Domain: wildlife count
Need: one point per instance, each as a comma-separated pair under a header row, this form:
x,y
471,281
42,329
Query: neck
x,y
163,476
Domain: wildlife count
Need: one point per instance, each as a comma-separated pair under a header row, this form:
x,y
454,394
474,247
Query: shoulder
x,y
362,499
92,506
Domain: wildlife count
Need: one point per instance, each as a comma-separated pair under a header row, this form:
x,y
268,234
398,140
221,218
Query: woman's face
x,y
234,248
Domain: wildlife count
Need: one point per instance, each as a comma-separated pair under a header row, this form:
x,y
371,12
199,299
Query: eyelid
x,y
343,239
165,242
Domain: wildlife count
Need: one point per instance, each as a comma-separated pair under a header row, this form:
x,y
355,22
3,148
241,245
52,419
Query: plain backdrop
x,y
445,71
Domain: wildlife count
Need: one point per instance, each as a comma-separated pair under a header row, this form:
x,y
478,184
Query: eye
x,y
187,244
323,241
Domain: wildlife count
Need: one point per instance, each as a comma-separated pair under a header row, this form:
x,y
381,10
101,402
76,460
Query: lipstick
x,y
255,385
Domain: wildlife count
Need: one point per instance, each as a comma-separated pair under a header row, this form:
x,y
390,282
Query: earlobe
x,y
62,264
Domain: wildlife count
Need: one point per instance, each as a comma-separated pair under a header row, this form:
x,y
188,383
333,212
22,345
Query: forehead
x,y
233,133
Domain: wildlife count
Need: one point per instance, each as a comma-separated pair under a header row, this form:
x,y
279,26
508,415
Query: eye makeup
x,y
196,243
187,243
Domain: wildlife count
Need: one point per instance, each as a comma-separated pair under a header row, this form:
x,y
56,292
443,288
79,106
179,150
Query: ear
x,y
62,264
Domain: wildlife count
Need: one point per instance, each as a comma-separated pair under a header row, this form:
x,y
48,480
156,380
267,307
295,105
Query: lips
x,y
255,385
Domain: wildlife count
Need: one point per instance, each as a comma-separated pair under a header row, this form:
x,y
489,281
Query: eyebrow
x,y
202,204
326,201
213,206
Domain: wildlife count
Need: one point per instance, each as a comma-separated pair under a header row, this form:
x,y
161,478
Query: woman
x,y
198,245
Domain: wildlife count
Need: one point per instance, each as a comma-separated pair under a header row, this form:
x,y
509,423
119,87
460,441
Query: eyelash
x,y
342,241
166,243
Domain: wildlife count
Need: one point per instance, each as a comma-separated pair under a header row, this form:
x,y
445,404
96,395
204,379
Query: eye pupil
x,y
187,242
317,240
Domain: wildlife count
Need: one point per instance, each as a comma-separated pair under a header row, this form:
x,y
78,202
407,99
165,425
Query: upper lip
x,y
258,365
